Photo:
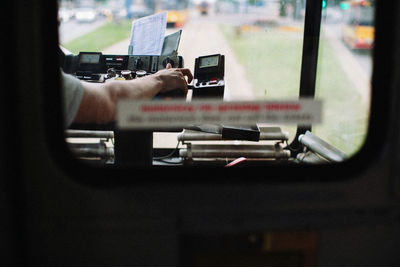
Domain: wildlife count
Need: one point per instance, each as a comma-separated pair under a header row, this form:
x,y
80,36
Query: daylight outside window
x,y
262,45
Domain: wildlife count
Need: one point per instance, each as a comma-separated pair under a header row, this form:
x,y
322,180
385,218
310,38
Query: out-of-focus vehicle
x,y
203,7
224,7
139,11
85,14
113,10
65,14
177,10
358,26
105,11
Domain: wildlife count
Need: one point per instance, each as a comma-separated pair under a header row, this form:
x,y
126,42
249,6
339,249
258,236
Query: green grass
x,y
272,60
101,38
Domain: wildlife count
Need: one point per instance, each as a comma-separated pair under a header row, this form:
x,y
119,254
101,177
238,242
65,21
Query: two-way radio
x,y
91,65
96,67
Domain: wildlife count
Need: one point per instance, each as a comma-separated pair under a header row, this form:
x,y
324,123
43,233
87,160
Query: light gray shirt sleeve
x,y
72,97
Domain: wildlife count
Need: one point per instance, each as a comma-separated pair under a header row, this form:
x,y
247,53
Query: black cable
x,y
169,155
291,148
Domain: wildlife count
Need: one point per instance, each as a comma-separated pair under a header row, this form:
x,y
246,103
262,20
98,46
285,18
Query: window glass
x,y
344,72
262,41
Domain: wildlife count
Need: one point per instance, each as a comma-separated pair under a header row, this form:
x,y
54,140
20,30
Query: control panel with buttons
x,y
89,65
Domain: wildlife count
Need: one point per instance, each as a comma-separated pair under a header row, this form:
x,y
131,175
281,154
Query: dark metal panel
x,y
312,25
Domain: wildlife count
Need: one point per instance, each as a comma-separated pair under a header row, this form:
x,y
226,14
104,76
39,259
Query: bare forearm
x,y
143,88
99,101
97,104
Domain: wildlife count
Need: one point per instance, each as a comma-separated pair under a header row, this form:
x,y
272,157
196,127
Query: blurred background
x,y
262,43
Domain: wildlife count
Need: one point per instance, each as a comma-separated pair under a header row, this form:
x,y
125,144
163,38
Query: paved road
x,y
72,29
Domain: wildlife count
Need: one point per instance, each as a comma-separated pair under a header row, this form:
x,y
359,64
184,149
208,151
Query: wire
x,y
236,162
290,148
169,155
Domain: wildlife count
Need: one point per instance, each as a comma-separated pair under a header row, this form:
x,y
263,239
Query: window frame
x,y
378,120
309,59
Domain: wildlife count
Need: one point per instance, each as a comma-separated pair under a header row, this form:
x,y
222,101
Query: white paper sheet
x,y
147,34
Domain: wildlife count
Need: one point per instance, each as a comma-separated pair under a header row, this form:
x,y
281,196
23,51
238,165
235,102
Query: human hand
x,y
174,78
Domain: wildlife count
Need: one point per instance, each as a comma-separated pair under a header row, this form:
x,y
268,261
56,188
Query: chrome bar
x,y
321,147
89,134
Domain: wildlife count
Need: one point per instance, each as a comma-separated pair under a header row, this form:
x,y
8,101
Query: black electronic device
x,y
89,65
250,133
97,67
229,132
209,77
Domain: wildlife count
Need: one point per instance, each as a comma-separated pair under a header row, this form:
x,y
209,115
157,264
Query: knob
x,y
138,63
127,74
140,73
111,72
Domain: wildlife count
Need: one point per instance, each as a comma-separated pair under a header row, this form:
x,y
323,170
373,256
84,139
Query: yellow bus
x,y
177,10
203,7
358,27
